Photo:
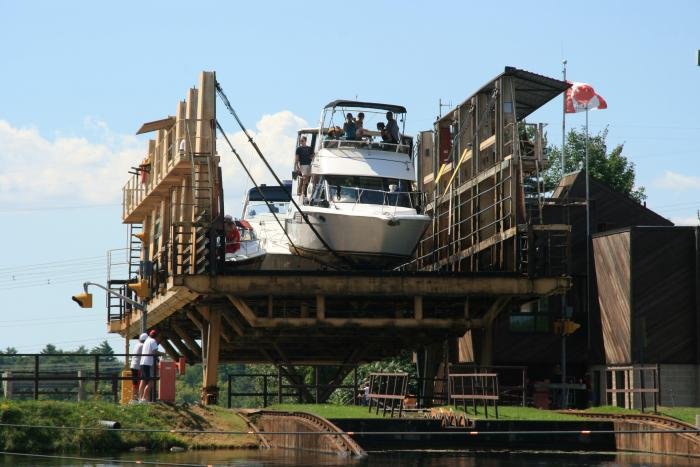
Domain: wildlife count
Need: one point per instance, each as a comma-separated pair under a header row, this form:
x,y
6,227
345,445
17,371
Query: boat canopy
x,y
367,105
273,193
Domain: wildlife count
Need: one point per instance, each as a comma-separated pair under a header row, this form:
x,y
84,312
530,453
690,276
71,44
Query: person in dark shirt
x,y
350,128
302,164
392,128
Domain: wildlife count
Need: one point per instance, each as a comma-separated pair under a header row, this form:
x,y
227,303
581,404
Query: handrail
x,y
330,143
410,195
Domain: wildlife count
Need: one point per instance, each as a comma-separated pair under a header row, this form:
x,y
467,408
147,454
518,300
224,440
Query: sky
x,y
78,78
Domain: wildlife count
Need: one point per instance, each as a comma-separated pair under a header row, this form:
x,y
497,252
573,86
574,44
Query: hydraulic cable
x,y
262,194
257,187
304,216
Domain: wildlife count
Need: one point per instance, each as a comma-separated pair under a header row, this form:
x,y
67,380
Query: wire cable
x,y
304,216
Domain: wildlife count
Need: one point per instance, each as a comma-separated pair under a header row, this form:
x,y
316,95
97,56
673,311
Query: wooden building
x,y
524,335
648,282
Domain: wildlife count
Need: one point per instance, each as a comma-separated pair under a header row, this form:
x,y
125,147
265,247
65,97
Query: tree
x,y
613,169
104,349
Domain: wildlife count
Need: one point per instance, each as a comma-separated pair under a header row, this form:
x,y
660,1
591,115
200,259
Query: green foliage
x,y
613,168
403,363
103,349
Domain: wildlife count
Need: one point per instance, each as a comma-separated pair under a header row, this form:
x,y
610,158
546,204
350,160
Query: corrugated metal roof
x,y
532,91
156,125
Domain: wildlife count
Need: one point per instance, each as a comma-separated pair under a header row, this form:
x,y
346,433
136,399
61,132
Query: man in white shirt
x,y
148,353
136,366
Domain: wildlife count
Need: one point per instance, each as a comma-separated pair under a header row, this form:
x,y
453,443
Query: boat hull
x,y
364,240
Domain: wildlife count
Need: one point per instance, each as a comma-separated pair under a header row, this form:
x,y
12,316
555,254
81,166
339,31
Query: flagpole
x,y
563,124
588,244
564,392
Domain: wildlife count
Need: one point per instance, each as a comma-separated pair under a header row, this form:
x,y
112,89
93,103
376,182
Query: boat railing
x,y
247,247
391,198
366,144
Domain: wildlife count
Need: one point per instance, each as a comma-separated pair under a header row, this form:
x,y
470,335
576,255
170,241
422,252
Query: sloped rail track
x,y
650,433
289,430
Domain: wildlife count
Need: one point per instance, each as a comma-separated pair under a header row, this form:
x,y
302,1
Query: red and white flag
x,y
581,96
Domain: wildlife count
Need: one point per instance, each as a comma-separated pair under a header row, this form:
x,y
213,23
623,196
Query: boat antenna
x,y
304,216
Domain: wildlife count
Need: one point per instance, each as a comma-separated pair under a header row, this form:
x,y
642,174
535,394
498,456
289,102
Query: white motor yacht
x,y
360,198
242,248
259,209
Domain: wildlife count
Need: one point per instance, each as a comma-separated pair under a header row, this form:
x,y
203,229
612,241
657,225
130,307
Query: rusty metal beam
x,y
408,285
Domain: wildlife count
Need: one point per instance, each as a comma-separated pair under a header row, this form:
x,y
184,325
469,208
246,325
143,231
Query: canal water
x,y
275,457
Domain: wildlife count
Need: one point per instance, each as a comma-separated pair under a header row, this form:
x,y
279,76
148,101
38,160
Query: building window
x,y
531,317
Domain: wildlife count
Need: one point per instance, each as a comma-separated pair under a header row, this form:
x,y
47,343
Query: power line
x,y
58,208
50,263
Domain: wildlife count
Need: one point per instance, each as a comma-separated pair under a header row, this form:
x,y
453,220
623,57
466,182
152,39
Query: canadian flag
x,y
581,96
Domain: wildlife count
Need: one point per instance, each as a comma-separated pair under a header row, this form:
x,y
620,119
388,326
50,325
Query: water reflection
x,y
276,457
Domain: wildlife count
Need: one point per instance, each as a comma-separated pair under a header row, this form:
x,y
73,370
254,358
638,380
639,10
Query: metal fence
x,y
62,376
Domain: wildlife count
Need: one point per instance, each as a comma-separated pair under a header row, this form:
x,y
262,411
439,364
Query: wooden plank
x,y
612,265
194,348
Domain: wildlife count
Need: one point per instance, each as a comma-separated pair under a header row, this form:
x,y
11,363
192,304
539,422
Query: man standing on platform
x,y
148,354
302,163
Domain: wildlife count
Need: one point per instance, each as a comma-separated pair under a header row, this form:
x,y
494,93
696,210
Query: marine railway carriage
x,y
209,312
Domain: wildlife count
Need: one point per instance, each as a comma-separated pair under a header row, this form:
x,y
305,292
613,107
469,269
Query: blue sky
x,y
78,79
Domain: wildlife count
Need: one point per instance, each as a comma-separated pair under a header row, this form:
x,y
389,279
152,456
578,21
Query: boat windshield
x,y
255,208
369,190
358,127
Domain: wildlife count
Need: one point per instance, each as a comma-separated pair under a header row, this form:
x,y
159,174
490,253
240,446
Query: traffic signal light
x,y
83,299
565,327
143,236
141,288
570,327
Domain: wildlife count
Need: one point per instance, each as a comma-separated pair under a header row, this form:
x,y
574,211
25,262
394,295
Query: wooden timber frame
x,y
209,313
323,318
481,170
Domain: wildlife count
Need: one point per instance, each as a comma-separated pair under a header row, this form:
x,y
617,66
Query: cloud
x,y
691,220
677,182
37,171
275,135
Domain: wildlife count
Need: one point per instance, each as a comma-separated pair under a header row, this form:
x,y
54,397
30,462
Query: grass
x,y
329,410
350,411
685,414
101,440
507,412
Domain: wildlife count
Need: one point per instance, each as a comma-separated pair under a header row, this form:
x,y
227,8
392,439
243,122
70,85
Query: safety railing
x,y
357,195
474,387
268,388
341,143
163,157
63,376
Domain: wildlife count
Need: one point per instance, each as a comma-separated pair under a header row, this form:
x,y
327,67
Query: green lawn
x,y
345,411
137,416
507,412
685,414
329,410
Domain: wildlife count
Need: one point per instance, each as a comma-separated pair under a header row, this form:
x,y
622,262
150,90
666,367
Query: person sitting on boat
x,y
350,128
392,128
381,128
302,164
359,125
233,236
